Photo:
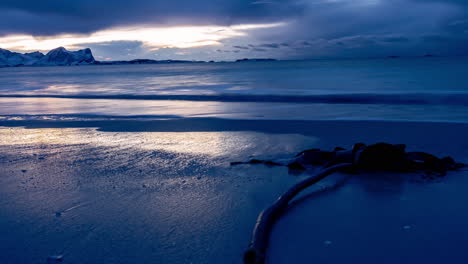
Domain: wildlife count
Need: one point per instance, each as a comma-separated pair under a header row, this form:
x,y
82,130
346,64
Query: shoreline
x,y
212,124
163,192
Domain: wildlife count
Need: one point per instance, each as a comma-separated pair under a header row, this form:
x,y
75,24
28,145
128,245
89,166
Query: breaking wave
x,y
459,99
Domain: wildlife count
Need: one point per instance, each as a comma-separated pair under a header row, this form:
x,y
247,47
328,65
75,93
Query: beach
x,y
229,132
131,163
162,191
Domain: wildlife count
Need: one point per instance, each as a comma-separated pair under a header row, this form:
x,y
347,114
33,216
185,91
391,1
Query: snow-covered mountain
x,y
59,56
8,58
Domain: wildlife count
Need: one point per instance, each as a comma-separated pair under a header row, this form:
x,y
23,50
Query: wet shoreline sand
x,y
162,191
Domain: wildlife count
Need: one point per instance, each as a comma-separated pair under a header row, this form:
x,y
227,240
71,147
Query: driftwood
x,y
381,156
258,246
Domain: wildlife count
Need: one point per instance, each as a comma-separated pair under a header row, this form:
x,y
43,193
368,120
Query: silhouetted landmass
x,y
63,57
148,61
145,61
249,60
56,57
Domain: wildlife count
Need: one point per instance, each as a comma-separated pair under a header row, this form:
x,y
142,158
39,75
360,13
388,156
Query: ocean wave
x,y
84,117
459,99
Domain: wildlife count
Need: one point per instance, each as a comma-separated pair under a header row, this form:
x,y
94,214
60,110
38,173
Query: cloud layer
x,y
48,17
313,28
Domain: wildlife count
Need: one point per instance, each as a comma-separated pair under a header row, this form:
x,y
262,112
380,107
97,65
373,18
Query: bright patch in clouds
x,y
152,37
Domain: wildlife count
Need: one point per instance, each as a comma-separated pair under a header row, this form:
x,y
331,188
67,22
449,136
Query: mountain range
x,y
63,57
59,56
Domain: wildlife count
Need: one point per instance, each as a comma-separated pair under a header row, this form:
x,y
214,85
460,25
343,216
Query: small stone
x,y
58,214
24,171
199,177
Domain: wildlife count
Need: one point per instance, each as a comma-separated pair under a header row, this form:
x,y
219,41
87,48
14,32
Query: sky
x,y
234,29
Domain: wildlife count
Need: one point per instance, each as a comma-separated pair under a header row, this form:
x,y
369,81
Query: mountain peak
x,y
57,50
35,54
61,56
57,56
4,51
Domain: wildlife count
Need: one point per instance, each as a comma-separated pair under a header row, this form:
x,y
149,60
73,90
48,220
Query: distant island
x,y
63,57
249,60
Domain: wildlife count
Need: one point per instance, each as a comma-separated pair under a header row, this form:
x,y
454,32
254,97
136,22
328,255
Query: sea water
x,y
414,89
136,190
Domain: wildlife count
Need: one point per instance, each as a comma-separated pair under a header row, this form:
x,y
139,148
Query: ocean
x,y
412,89
132,163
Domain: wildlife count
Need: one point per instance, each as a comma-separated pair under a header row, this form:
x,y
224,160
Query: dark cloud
x,y
376,28
315,27
270,45
262,46
435,39
462,3
83,16
395,39
241,47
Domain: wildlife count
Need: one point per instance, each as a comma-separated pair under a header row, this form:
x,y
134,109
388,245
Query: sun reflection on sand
x,y
197,143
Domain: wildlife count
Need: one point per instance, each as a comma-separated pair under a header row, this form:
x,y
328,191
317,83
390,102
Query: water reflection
x,y
286,77
79,109
230,144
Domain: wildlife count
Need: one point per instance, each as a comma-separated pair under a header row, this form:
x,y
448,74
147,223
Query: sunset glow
x,y
152,37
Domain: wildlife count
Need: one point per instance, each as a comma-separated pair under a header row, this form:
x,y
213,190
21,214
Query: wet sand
x,y
162,191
